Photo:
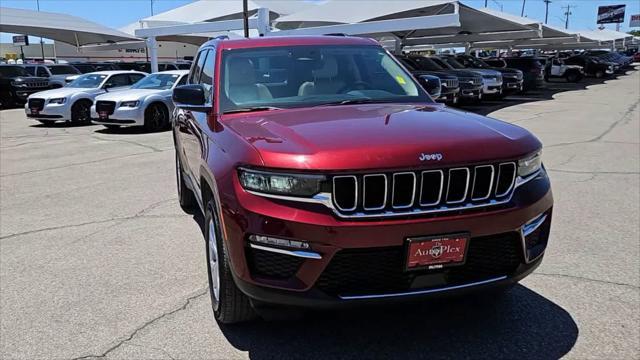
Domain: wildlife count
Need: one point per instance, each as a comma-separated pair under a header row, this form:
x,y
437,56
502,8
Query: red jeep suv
x,y
329,177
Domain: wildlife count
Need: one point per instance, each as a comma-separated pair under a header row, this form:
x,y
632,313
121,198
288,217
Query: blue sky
x,y
117,13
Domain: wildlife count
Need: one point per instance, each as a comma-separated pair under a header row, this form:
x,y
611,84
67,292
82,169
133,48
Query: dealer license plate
x,y
35,111
436,252
103,115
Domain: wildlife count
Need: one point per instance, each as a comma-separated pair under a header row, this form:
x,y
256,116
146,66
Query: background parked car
x,y
147,103
591,65
449,86
491,79
556,68
531,67
470,82
73,102
16,84
512,79
56,73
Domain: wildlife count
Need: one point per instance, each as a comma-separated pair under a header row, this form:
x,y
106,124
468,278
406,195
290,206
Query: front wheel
x,y
156,118
81,112
599,74
229,304
574,77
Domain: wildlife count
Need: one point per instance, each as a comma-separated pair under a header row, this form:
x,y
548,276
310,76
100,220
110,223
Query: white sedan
x,y
148,103
73,102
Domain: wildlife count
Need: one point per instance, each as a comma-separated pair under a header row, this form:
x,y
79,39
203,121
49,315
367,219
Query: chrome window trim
x,y
422,185
422,292
475,174
296,253
364,192
355,202
513,180
393,190
466,187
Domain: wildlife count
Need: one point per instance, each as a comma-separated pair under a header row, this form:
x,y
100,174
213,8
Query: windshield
x,y
87,81
62,70
300,76
11,71
477,62
426,64
453,63
157,82
441,63
84,68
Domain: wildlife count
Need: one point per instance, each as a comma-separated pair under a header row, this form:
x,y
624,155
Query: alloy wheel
x,y
213,264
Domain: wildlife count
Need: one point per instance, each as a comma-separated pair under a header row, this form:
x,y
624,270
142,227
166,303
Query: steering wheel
x,y
358,85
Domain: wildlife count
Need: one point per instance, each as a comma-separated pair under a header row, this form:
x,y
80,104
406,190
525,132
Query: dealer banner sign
x,y
21,40
635,21
611,14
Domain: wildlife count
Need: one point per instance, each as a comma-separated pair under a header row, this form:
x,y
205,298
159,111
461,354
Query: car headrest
x,y
241,72
328,70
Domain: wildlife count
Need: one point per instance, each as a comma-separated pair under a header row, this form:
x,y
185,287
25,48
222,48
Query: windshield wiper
x,y
352,101
251,109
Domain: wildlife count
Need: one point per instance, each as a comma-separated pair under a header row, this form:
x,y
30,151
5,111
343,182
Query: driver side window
x,y
118,81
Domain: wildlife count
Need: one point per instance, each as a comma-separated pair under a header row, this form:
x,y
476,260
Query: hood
x,y
378,136
441,75
130,94
464,73
63,92
506,70
485,71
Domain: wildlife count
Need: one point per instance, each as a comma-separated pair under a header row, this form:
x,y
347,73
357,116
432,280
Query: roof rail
x,y
221,37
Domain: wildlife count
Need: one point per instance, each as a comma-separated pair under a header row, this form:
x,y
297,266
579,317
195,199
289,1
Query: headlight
x,y
130,103
280,184
58,101
530,165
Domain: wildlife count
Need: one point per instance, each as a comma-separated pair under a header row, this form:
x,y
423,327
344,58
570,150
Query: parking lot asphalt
x,y
98,260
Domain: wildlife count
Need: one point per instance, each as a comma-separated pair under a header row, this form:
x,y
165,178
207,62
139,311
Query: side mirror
x,y
190,97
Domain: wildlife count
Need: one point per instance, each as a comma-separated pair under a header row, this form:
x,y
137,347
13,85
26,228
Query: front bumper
x,y
512,85
491,87
124,116
23,93
50,112
307,281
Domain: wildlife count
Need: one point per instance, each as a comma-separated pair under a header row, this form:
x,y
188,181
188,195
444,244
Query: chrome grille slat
x,y
475,175
423,191
466,186
364,192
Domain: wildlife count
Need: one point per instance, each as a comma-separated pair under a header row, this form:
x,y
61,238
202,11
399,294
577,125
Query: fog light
x,y
267,240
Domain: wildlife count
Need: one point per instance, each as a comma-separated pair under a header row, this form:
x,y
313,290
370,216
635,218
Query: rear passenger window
x,y
194,75
134,78
206,78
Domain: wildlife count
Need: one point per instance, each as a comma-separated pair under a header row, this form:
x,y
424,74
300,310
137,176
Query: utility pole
x,y
546,12
485,3
41,41
152,8
245,17
566,14
522,12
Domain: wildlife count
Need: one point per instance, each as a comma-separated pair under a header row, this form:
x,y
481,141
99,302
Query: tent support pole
x,y
153,52
467,48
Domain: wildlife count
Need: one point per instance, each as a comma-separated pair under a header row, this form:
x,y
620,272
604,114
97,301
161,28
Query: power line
x,y
567,13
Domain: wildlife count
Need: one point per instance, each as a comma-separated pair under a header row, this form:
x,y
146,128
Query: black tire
x,y
230,305
47,122
156,117
112,127
573,77
599,74
185,195
81,112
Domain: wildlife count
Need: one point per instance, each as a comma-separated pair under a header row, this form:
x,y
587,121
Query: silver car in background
x,y
73,102
56,73
148,103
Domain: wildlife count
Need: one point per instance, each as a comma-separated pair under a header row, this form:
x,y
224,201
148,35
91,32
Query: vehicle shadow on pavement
x,y
65,124
519,324
129,130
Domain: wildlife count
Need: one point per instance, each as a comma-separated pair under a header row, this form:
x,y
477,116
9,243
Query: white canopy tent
x,y
59,27
474,25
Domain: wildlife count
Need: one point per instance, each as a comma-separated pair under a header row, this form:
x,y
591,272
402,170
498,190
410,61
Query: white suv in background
x,y
56,73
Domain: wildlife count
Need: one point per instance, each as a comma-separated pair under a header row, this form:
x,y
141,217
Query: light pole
x,y
41,41
245,17
546,12
523,3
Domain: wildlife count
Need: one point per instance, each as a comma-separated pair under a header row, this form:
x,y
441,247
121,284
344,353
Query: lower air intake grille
x,y
105,106
272,265
375,271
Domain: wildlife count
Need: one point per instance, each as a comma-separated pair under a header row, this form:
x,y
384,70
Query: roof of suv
x,y
292,41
